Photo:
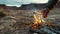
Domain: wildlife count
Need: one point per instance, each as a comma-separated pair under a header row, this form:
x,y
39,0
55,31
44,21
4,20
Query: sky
x,y
18,3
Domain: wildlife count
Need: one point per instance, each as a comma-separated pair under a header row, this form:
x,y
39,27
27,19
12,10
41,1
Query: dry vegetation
x,y
15,22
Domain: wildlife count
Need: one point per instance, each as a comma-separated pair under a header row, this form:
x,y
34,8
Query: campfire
x,y
38,20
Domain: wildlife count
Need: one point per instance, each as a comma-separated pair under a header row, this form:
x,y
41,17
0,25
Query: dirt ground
x,y
15,22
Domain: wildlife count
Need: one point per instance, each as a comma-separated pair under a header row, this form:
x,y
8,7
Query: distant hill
x,y
32,6
27,6
36,6
7,7
2,6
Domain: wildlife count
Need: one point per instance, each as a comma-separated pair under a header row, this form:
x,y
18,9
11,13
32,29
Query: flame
x,y
38,19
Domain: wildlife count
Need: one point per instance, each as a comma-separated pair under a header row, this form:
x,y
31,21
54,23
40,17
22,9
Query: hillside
x,y
17,19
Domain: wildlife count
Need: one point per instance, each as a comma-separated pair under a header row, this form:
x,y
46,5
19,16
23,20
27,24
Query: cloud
x,y
39,1
19,2
13,5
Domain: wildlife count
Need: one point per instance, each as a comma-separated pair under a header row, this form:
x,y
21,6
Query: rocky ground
x,y
15,23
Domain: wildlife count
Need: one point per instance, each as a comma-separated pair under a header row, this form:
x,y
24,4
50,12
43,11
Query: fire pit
x,y
35,29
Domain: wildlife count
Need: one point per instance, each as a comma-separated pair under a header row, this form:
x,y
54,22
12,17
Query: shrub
x,y
2,14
